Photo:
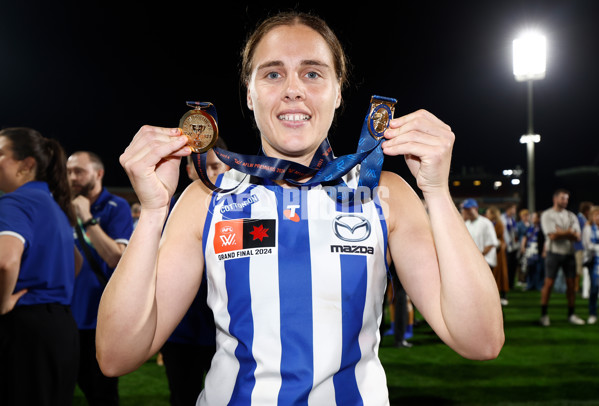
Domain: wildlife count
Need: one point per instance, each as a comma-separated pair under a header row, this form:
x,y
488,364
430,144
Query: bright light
x,y
515,181
526,138
507,172
476,183
530,54
497,184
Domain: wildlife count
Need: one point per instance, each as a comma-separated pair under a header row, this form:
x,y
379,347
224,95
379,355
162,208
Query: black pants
x,y
98,389
512,267
39,354
185,366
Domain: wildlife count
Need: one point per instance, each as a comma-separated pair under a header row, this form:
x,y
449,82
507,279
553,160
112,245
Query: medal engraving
x,y
200,128
381,113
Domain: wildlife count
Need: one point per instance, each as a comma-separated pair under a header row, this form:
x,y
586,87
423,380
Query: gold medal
x,y
199,127
381,112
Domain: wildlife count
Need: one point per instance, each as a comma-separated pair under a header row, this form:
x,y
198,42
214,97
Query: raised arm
x,y
437,261
155,281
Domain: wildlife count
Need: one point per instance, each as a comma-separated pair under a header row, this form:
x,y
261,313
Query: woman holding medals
x,y
296,278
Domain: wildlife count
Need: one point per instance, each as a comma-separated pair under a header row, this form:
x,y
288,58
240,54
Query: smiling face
x,y
293,91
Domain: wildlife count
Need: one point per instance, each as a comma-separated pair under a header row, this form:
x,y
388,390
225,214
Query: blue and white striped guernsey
x,y
296,283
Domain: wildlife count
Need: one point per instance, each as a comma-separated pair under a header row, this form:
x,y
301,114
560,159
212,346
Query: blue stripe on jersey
x,y
353,299
295,292
242,324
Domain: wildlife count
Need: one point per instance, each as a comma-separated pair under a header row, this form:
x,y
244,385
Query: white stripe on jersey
x,y
264,281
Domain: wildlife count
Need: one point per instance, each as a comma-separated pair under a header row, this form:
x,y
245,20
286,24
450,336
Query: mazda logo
x,y
351,227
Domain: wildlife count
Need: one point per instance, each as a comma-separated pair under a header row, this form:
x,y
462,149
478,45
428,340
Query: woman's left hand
x,y
426,143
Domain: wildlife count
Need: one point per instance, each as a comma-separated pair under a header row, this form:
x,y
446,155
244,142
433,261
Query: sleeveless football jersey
x,y
296,283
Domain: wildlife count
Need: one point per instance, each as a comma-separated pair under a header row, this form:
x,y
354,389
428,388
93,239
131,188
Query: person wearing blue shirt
x,y
106,224
39,343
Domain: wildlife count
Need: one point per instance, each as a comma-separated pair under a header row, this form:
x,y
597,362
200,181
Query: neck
x,y
22,180
94,194
301,157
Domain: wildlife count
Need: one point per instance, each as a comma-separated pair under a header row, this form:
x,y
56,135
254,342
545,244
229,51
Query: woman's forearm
x,y
469,295
127,313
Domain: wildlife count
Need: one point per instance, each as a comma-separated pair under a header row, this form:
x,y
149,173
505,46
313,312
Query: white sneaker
x,y
574,319
592,319
545,321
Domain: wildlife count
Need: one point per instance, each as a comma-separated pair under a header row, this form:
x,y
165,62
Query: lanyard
x,y
324,167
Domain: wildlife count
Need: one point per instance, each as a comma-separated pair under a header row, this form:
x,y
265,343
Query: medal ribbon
x,y
324,168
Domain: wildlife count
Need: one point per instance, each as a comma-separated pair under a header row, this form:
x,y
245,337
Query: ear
x,y
100,173
28,164
339,98
249,98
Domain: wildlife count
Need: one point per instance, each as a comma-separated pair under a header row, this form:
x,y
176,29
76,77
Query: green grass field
x,y
558,365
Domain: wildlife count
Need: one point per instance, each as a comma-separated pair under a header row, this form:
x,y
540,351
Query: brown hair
x,y
292,18
592,211
50,160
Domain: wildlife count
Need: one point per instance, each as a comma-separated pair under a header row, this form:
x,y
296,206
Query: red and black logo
x,y
238,234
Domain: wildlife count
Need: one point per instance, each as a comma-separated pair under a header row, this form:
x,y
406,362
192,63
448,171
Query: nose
x,y
71,176
294,89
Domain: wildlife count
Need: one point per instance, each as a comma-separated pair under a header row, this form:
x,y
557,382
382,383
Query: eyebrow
x,y
306,62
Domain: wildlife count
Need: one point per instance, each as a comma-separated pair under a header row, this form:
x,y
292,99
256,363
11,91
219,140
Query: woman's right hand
x,y
152,162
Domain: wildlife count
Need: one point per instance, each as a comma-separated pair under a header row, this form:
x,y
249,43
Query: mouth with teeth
x,y
294,117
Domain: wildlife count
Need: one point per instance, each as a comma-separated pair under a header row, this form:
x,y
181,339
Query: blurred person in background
x,y
590,239
532,249
500,270
39,343
562,230
103,230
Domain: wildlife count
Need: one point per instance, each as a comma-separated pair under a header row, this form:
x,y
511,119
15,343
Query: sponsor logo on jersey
x,y
351,228
291,214
243,237
239,206
352,249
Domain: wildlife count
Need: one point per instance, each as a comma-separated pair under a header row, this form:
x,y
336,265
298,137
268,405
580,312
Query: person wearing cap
x,y
482,231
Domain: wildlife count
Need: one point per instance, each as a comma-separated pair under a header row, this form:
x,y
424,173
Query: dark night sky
x,y
91,73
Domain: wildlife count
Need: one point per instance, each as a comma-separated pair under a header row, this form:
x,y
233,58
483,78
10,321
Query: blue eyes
x,y
309,75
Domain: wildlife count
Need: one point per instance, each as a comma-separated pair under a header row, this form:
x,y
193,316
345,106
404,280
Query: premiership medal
x,y
199,127
381,112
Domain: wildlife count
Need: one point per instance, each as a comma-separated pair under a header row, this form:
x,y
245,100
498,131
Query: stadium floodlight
x,y
530,56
